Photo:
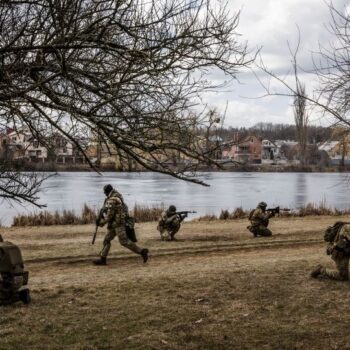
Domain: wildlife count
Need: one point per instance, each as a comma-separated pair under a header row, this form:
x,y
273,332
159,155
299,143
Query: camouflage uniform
x,y
169,224
341,259
259,220
115,216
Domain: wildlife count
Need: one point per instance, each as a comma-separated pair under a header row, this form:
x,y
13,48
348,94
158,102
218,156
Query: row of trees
x,y
270,131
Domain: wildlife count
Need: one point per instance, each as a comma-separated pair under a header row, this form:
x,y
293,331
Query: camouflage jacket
x,y
167,220
115,211
259,217
341,241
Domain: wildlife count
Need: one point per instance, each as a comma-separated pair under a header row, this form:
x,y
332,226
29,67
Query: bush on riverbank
x,y
311,209
143,213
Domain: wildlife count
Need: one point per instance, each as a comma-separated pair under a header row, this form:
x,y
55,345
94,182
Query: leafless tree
x,y
129,71
21,187
331,68
301,118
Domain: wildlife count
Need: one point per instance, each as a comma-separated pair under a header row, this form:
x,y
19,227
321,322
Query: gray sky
x,y
269,24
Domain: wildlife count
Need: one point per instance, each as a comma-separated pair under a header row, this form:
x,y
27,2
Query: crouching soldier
x,y
338,237
259,219
12,275
115,214
169,224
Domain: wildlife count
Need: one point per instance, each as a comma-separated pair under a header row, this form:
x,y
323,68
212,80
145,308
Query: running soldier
x,y
115,214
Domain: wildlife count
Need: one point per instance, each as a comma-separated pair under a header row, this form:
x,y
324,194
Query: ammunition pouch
x,y
130,229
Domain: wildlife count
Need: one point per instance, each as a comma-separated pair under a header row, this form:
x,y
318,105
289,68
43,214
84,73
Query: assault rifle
x,y
184,213
98,220
277,210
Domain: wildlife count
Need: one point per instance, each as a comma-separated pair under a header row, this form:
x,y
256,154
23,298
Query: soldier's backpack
x,y
331,231
250,217
12,275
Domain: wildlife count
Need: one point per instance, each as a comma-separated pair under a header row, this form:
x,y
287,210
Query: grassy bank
x,y
216,288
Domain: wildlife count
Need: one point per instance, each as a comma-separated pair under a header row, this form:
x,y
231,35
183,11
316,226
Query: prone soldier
x,y
338,237
115,214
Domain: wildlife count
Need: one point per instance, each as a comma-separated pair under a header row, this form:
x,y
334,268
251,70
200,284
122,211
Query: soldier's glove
x,y
101,223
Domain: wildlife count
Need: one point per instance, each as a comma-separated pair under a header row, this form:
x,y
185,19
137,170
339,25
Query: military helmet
x,y
172,209
107,189
262,205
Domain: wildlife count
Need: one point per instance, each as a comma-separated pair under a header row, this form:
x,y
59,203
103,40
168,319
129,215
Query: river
x,y
70,190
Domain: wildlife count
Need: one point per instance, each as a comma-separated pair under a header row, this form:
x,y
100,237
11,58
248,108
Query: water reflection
x,y
300,189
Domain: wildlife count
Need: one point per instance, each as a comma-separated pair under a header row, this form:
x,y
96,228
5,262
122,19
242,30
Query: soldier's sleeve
x,y
171,218
344,237
258,214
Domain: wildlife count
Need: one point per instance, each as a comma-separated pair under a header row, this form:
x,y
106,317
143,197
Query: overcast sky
x,y
269,24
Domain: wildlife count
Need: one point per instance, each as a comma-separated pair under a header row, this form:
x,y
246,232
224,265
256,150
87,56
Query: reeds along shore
x,y
143,213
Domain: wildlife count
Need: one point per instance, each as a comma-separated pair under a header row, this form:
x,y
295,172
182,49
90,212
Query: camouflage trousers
x,y
123,240
167,233
260,230
342,271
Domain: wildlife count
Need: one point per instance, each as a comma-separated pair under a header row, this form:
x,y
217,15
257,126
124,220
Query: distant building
x,y
338,152
246,151
272,153
22,145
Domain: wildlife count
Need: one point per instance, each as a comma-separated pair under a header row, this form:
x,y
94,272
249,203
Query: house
x,y
246,151
338,152
28,147
21,144
272,153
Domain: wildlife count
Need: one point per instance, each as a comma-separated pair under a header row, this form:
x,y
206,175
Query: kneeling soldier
x,y
339,249
259,219
169,224
115,215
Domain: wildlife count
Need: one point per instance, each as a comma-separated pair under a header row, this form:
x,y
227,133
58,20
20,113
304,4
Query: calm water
x,y
226,191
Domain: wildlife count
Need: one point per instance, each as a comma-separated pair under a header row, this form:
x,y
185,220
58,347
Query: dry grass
x,y
87,216
311,209
144,213
191,294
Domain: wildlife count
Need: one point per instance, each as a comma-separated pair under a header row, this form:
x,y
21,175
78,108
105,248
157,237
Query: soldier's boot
x,y
252,230
316,272
101,261
144,254
24,296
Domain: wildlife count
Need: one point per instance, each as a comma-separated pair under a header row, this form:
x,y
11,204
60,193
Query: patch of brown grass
x,y
311,209
141,213
144,213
